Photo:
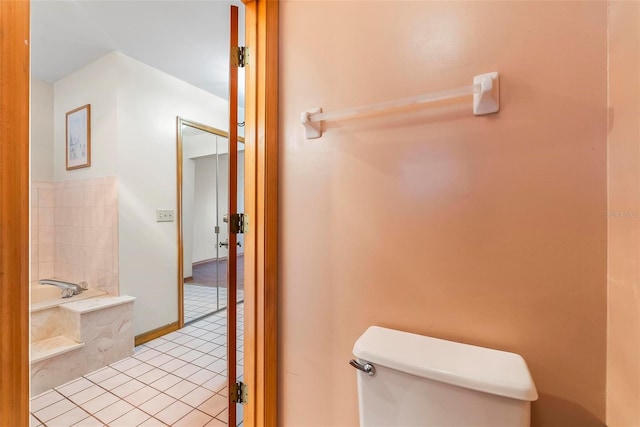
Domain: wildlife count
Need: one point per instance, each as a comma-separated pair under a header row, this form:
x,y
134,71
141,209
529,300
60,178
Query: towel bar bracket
x,y
312,130
487,100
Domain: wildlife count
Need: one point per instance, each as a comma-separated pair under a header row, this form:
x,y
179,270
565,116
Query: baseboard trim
x,y
222,258
204,261
151,335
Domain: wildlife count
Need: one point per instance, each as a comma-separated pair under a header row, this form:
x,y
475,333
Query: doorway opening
x,y
261,202
182,375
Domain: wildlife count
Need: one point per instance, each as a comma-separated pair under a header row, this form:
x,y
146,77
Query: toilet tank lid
x,y
468,366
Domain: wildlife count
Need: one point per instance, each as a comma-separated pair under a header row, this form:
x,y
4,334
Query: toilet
x,y
406,379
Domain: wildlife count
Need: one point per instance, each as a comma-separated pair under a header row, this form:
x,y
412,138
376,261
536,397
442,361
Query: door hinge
x,y
216,229
239,223
239,393
239,56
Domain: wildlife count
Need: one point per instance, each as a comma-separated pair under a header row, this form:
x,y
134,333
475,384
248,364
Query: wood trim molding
x,y
268,285
180,238
206,128
261,202
158,332
14,213
206,261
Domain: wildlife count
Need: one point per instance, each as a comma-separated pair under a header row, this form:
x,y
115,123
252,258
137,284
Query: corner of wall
x,y
623,215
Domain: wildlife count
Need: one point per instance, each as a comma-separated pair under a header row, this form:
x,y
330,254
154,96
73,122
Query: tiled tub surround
x,y
78,337
74,229
74,237
55,331
47,296
42,230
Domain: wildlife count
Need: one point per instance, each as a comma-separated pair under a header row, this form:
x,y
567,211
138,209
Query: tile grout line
x,y
64,398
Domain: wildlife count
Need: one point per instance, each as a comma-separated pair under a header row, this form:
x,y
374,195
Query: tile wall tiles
x,y
34,236
46,216
74,230
42,202
151,388
45,197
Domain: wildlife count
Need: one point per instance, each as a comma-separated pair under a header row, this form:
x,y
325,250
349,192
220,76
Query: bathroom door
x,y
234,220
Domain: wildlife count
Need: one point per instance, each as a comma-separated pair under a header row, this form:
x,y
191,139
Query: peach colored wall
x,y
623,350
488,230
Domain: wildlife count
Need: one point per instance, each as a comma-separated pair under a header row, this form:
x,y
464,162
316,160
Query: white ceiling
x,y
187,39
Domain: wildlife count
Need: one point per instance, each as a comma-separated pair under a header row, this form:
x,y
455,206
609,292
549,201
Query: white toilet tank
x,y
423,381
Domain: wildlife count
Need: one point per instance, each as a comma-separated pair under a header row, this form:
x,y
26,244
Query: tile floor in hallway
x,y
175,380
202,300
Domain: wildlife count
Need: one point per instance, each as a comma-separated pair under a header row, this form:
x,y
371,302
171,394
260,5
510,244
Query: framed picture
x,y
78,140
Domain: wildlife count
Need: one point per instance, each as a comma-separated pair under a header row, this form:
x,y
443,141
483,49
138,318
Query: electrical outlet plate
x,y
164,215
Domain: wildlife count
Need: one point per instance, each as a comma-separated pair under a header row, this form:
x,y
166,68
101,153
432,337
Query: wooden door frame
x,y
14,213
261,151
261,204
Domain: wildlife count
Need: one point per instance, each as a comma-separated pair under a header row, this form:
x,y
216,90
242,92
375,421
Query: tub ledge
x,y
98,303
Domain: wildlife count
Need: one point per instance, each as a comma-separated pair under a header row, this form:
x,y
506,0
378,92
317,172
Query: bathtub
x,y
46,296
71,337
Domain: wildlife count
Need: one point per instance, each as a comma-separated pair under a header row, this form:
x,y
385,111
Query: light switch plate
x,y
164,215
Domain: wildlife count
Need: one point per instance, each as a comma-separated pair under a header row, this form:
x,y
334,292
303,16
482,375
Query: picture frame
x,y
78,138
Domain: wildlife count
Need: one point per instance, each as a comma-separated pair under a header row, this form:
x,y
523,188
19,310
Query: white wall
x,y
188,186
204,209
148,103
201,144
204,239
134,110
199,183
195,143
95,84
41,131
241,194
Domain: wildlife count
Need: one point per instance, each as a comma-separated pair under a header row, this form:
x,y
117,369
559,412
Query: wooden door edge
x,y
233,209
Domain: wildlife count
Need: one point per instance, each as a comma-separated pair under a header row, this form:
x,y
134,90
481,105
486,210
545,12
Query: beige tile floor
x,y
176,380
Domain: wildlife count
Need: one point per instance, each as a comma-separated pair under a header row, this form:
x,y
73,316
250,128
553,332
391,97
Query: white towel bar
x,y
486,100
